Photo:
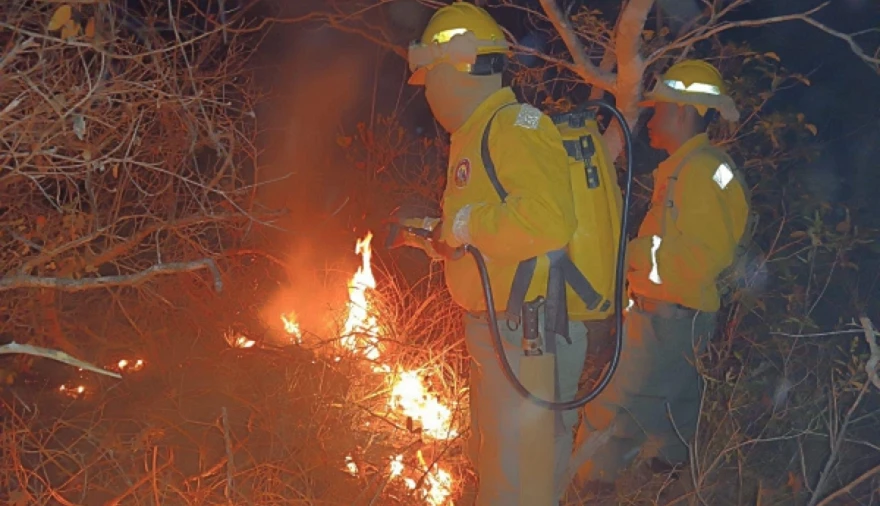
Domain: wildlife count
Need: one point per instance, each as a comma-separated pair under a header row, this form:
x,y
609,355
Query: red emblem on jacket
x,y
462,173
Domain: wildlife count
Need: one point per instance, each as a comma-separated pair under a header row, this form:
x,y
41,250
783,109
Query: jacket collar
x,y
485,110
684,150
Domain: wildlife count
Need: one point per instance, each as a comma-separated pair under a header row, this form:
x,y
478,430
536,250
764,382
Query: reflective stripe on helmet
x,y
707,89
447,35
458,46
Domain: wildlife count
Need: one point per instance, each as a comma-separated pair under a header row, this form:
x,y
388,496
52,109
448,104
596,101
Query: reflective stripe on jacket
x,y
684,244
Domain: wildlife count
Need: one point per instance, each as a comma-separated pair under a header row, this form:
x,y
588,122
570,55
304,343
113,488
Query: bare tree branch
x,y
79,285
847,489
853,45
115,251
630,68
129,148
583,66
874,361
60,356
709,30
836,445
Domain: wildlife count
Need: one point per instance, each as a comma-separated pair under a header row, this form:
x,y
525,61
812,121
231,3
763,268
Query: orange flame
x,y
409,396
361,331
291,326
239,341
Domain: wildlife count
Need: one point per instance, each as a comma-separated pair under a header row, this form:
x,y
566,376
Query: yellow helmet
x,y
463,35
696,83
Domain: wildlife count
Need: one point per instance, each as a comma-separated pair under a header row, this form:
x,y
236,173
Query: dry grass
x,y
205,424
127,150
288,416
129,155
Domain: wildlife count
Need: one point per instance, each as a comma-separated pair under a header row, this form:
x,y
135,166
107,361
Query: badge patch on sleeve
x,y
529,117
462,173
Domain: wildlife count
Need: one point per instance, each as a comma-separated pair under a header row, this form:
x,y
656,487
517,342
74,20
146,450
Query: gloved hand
x,y
443,248
399,235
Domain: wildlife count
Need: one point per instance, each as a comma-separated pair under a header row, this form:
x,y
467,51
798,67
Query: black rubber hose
x,y
620,274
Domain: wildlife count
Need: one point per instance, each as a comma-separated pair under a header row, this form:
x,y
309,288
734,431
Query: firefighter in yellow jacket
x,y
459,60
697,217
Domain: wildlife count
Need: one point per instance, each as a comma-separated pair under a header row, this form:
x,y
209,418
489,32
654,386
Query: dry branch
x,y
847,489
60,356
837,442
78,285
589,72
230,463
128,144
627,48
874,361
717,27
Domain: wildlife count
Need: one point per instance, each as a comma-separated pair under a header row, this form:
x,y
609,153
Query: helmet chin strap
x,y
489,64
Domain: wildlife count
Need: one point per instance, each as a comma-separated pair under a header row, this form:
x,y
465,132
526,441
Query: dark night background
x,y
321,86
329,81
324,82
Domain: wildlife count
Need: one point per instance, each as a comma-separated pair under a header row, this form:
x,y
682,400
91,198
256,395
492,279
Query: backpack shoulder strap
x,y
486,156
563,270
522,278
669,196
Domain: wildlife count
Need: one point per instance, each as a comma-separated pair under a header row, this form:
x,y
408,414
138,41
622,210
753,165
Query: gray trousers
x,y
651,406
494,440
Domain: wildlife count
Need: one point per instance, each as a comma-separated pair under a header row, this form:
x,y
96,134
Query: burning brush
x,y
409,400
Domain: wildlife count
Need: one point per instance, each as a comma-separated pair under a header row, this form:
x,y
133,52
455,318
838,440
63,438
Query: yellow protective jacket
x,y
689,235
538,215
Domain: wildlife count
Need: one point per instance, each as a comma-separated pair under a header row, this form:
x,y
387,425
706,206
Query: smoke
x,y
409,16
679,12
317,87
318,81
821,181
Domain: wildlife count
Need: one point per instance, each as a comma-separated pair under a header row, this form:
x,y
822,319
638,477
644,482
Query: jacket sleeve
x,y
538,215
709,225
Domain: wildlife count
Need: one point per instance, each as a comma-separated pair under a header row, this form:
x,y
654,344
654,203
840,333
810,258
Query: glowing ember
x,y
350,466
74,392
130,365
291,326
439,484
397,466
239,341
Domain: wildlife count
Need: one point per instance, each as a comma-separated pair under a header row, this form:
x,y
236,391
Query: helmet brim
x,y
461,49
722,103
